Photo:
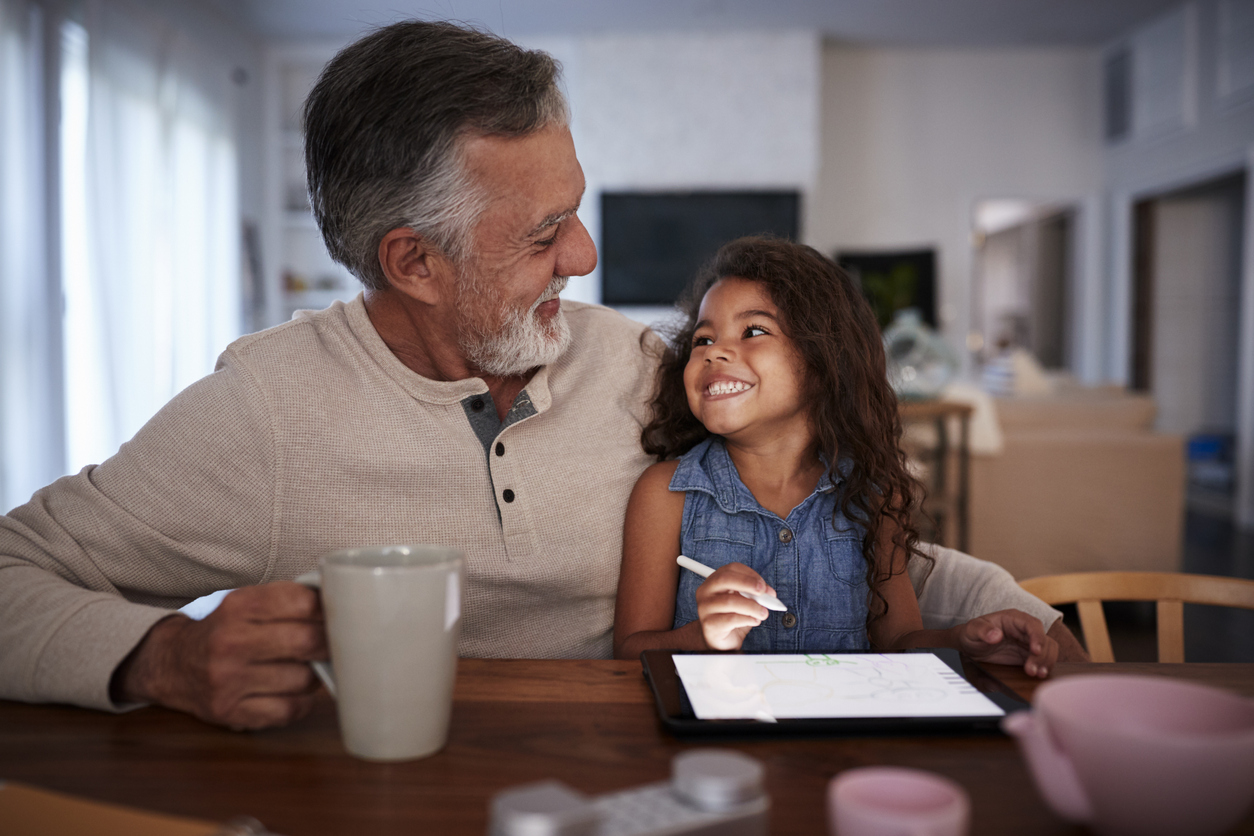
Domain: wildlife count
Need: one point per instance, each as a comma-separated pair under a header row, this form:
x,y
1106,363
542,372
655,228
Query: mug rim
x,y
396,557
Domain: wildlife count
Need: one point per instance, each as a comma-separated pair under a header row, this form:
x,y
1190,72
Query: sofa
x,y
1082,483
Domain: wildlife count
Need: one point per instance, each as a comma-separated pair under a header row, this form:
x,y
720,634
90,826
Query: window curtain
x,y
119,227
31,429
150,221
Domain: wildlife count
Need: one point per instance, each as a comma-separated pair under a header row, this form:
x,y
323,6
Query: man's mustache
x,y
551,292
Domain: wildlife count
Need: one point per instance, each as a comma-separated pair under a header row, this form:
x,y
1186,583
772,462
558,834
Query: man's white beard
x,y
521,341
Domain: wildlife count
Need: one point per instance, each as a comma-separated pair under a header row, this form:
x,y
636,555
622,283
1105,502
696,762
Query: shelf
x,y
295,219
314,300
293,253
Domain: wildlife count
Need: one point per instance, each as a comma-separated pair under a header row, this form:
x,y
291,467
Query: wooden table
x,y
949,499
590,724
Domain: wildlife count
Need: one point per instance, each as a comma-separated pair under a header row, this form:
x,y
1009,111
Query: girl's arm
x,y
649,577
1007,637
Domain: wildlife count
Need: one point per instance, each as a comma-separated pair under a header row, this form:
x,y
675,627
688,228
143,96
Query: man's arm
x,y
961,587
95,560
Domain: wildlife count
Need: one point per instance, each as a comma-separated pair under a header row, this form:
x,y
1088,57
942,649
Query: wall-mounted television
x,y
653,243
894,279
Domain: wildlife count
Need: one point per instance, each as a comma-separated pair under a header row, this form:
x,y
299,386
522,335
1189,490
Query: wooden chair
x,y
1172,590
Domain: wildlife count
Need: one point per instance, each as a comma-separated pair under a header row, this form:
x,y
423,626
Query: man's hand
x,y
1069,647
1009,637
244,666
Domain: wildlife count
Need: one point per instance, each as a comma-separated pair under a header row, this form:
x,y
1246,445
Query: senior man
x,y
457,401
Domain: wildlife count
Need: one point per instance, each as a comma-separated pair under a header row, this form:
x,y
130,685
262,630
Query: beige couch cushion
x,y
1103,408
1082,484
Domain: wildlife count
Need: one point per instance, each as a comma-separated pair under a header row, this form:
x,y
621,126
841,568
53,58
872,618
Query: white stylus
x,y
768,601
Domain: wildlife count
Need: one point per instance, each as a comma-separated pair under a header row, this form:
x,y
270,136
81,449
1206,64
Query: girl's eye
x,y
755,331
696,341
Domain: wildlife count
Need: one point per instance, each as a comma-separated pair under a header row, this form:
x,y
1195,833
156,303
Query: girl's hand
x,y
1009,637
726,616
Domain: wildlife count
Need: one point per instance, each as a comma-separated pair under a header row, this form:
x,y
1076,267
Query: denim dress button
x,y
789,620
785,536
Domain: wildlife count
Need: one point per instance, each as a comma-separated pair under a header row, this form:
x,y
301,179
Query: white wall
x,y
913,138
690,111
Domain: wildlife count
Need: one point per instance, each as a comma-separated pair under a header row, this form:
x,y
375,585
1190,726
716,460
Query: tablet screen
x,y
830,685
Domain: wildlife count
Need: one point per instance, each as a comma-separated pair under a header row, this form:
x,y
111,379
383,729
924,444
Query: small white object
x,y
768,601
546,808
716,780
711,791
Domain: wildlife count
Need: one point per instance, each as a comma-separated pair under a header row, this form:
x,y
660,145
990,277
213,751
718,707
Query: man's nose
x,y
579,255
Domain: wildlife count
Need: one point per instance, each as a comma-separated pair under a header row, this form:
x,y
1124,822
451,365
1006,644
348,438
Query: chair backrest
x,y
1172,590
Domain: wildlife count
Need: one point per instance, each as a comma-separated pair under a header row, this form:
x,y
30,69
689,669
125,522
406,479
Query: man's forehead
x,y
535,177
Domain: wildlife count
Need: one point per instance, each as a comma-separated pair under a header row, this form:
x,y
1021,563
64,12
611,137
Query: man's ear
x,y
413,267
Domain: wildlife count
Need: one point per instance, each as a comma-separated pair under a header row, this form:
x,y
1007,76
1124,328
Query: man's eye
x,y
696,341
755,331
547,242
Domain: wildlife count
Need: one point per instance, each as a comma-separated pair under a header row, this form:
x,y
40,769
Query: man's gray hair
x,y
384,126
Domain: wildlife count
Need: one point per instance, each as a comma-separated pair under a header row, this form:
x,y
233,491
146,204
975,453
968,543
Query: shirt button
x,y
507,495
477,404
789,620
500,449
785,536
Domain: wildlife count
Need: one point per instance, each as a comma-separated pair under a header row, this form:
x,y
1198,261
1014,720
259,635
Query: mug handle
x,y
325,672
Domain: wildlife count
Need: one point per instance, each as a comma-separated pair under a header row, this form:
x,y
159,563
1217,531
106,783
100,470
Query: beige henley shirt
x,y
312,436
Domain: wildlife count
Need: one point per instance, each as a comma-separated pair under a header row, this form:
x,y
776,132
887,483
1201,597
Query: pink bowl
x,y
1152,755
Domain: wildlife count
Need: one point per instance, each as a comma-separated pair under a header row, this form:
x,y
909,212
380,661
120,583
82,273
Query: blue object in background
x,y
1210,460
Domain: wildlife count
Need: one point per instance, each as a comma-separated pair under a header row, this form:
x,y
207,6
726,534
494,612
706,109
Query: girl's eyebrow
x,y
705,323
752,314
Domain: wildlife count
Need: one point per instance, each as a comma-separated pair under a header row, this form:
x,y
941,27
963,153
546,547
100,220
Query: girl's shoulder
x,y
653,500
657,477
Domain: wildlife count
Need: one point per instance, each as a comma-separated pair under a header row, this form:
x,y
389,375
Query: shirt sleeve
x,y
94,560
961,587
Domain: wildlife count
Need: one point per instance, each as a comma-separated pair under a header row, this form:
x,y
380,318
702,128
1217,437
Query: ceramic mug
x,y
1140,755
393,616
895,801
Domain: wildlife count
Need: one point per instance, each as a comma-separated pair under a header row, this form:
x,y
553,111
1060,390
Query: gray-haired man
x,y
458,400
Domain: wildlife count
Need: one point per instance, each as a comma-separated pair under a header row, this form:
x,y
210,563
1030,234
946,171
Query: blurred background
x,y
1059,188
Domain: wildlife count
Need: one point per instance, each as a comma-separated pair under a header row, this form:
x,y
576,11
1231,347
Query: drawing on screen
x,y
819,678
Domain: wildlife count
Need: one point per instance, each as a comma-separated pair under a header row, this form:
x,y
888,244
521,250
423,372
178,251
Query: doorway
x,y
1186,303
1022,280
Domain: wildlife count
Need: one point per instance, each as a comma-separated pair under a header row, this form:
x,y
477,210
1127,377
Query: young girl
x,y
776,434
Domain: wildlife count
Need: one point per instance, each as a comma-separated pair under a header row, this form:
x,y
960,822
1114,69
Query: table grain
x,y
590,724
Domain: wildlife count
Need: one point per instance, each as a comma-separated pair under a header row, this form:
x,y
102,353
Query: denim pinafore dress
x,y
815,565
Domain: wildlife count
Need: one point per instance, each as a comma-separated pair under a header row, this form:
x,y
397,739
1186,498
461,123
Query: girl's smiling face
x,y
744,379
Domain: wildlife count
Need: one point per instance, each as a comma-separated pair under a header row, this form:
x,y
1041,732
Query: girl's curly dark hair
x,y
854,411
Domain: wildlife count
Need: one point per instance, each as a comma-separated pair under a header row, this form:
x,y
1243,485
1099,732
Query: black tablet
x,y
913,692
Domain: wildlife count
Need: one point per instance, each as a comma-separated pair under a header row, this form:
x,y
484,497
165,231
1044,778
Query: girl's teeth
x,y
727,387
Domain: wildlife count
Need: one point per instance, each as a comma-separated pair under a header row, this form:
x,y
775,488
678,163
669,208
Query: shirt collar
x,y
708,468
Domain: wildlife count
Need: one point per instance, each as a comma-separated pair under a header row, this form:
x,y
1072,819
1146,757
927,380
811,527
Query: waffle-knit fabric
x,y
312,436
